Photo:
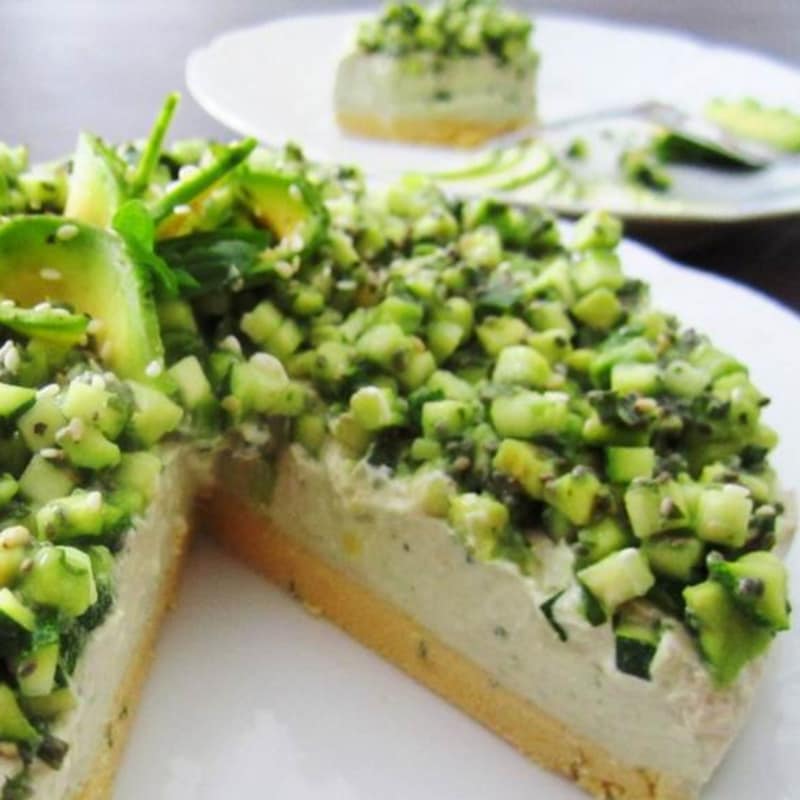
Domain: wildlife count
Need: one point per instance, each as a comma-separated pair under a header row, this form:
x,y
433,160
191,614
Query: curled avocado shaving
x,y
47,258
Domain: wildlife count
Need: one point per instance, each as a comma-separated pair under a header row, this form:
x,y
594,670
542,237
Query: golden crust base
x,y
408,645
456,133
100,783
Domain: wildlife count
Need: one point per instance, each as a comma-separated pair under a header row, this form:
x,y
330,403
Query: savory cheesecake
x,y
457,74
456,430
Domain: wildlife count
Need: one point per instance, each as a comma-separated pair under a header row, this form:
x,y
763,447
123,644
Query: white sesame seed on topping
x,y
11,360
231,404
253,434
60,312
50,274
6,303
294,192
94,501
153,369
76,428
15,536
67,232
95,326
284,269
97,382
182,210
187,170
51,453
231,343
43,307
51,390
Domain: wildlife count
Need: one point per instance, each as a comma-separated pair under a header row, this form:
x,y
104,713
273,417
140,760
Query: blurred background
x,y
105,66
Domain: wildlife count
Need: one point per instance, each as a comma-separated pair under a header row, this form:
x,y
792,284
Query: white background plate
x,y
275,82
250,697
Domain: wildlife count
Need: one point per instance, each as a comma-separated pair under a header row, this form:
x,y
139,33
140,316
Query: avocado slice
x,y
97,185
288,205
776,127
95,274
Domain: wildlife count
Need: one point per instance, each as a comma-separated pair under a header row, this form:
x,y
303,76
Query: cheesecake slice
x,y
459,431
457,74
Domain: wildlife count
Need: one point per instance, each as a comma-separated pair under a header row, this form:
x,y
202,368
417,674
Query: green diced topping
x,y
61,577
522,366
480,520
618,578
723,515
525,414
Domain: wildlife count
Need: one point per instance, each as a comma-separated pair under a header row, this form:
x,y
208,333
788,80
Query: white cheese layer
x,y
141,570
424,87
371,528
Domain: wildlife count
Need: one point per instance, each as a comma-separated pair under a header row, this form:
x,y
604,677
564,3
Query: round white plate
x,y
251,697
275,82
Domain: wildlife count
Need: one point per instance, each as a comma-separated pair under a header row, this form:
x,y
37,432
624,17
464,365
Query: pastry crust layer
x,y
408,645
100,783
453,132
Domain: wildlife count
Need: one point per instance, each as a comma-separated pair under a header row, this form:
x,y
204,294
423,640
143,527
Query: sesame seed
x,y
11,360
153,369
187,170
51,390
26,565
15,536
97,382
294,192
95,326
76,429
43,307
182,210
94,501
60,312
67,232
7,303
51,453
50,274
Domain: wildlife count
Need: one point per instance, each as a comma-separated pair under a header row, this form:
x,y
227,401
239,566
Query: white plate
x,y
250,697
275,81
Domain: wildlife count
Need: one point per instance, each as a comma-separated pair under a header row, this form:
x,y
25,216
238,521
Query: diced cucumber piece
x,y
14,725
481,247
375,407
15,399
40,423
522,366
575,494
618,578
451,386
546,315
714,362
11,559
154,415
332,362
95,405
352,436
637,350
526,414
675,556
43,481
310,431
723,515
443,338
598,541
527,464
654,507
553,344
262,322
635,378
415,367
8,489
60,577
758,584
424,449
52,705
36,671
407,314
497,333
434,491
728,638
194,388
139,471
599,309
597,229
80,514
479,520
384,345
683,379
637,640
446,419
625,464
13,609
90,449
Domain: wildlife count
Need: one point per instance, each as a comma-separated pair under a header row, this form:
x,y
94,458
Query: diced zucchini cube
x,y
618,578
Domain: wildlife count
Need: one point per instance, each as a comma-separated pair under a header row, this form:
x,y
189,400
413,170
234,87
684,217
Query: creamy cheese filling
x,y
426,88
141,571
371,528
